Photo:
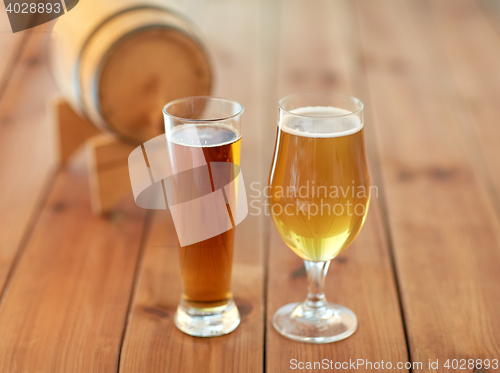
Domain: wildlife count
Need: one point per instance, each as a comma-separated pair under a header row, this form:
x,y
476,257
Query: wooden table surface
x,y
83,293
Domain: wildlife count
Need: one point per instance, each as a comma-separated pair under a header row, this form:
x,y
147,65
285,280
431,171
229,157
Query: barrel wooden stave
x,y
133,58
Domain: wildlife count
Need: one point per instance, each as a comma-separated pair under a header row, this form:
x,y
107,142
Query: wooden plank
x,y
316,52
16,47
66,301
66,304
10,45
26,147
444,231
152,342
471,50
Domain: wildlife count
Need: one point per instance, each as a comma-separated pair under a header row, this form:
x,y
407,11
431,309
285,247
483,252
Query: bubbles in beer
x,y
324,153
205,265
320,121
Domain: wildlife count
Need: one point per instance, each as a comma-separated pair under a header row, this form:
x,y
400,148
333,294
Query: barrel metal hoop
x,y
77,77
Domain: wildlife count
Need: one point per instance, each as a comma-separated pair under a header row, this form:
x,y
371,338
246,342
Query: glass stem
x,y
316,273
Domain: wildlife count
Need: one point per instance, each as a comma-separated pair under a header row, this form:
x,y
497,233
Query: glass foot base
x,y
200,323
326,324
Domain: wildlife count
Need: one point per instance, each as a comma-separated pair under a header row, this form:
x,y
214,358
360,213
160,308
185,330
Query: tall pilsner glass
x,y
318,201
204,142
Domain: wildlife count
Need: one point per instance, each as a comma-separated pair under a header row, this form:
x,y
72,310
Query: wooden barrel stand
x,y
117,63
106,156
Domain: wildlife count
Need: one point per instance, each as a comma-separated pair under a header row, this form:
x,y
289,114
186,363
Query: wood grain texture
x,y
427,72
152,342
67,296
471,49
315,53
10,46
107,163
26,147
444,231
66,304
71,129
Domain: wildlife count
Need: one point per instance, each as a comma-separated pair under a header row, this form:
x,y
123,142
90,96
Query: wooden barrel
x,y
118,62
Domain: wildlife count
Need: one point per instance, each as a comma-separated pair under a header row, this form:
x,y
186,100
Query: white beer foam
x,y
187,135
321,122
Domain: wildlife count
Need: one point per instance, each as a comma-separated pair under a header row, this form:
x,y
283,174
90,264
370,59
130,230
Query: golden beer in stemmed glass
x,y
319,197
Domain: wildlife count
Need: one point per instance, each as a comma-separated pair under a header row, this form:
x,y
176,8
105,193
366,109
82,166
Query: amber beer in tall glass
x,y
204,136
206,265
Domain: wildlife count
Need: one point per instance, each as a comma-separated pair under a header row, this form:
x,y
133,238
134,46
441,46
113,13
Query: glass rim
x,y
334,94
211,98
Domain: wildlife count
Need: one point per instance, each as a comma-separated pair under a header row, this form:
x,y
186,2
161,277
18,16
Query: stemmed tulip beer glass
x,y
319,197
